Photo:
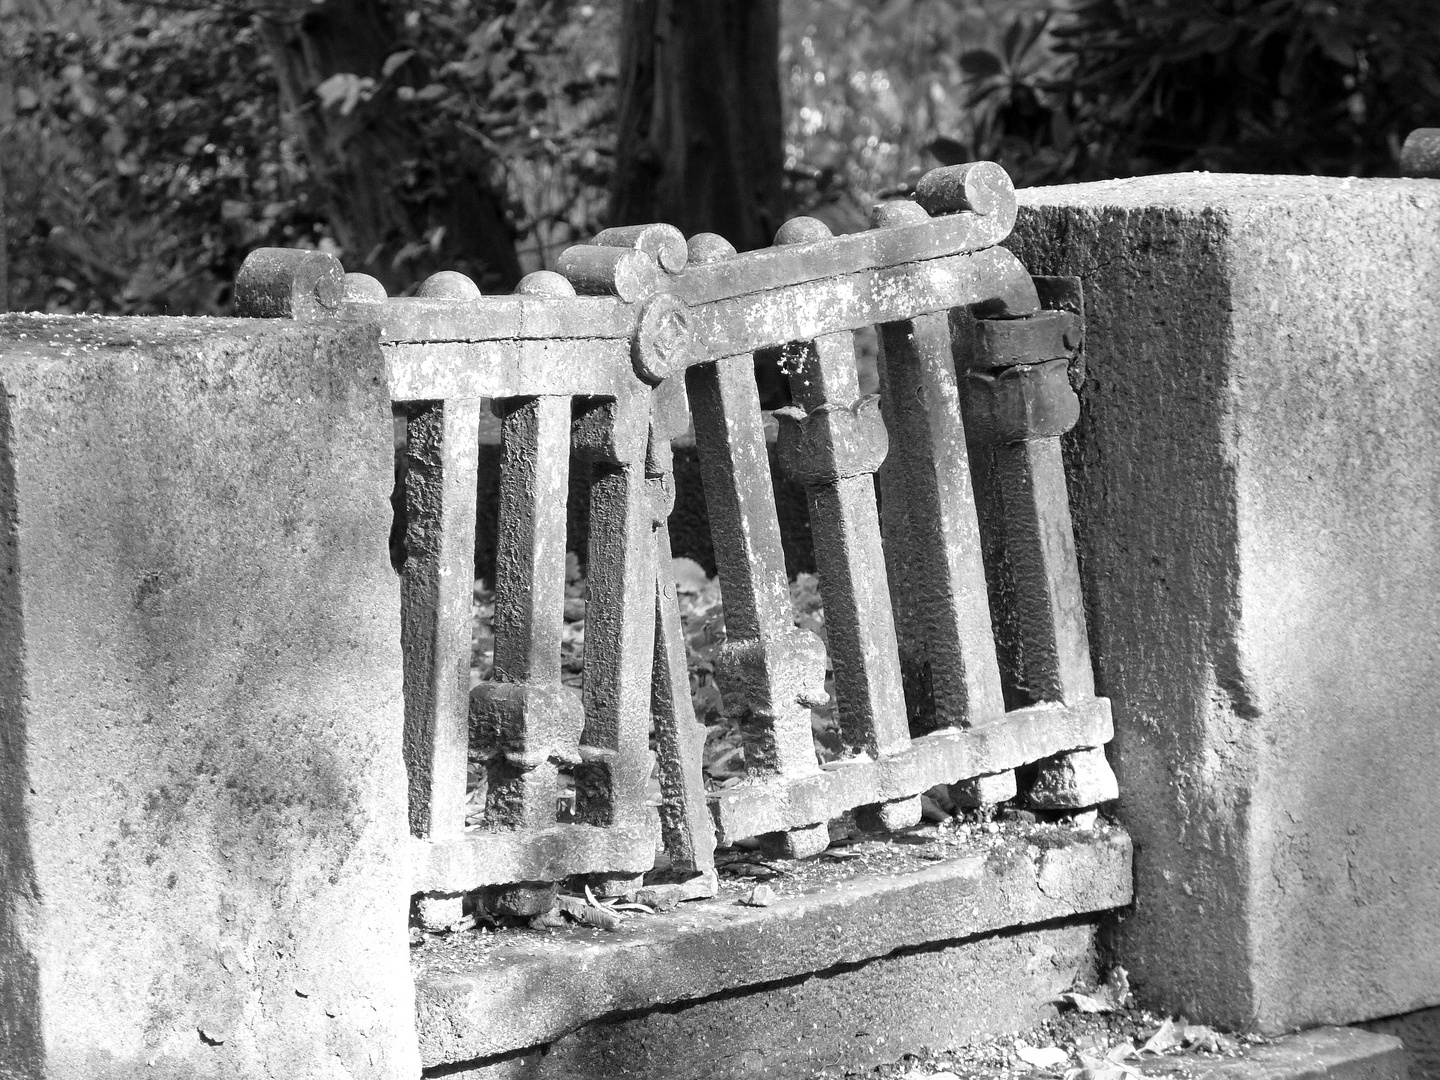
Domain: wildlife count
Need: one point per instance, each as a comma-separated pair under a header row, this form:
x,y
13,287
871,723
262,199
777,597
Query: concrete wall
x,y
1255,483
202,797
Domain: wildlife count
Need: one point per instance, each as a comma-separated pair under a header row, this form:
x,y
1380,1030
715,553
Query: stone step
x,y
921,941
1327,1053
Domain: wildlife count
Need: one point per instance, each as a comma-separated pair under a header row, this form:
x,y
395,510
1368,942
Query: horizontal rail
x,y
488,364
434,371
498,858
752,808
799,264
807,310
496,318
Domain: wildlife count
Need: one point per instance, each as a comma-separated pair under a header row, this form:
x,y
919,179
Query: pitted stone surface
x,y
851,1017
1253,482
201,787
493,994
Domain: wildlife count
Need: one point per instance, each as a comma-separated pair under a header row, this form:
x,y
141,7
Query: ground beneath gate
x,y
1132,1044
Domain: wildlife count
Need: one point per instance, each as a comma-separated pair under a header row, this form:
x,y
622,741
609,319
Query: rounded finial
x,y
361,289
449,285
544,283
709,247
900,212
802,230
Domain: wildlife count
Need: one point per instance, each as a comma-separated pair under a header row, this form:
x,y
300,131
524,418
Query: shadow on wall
x,y
21,1043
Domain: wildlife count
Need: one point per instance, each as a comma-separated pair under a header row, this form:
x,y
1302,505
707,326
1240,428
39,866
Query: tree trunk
x,y
701,142
386,225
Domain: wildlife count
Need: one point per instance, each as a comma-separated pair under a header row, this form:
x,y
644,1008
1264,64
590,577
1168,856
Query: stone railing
x,y
941,676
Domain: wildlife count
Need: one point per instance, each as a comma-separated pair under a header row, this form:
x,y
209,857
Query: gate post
x,y
202,794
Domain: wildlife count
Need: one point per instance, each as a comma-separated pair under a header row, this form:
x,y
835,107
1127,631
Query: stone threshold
x,y
1328,1053
481,995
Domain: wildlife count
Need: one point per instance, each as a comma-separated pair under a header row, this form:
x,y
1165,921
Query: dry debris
x,y
1119,1042
760,896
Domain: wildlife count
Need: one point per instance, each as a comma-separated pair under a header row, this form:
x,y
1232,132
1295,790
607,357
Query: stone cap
x,y
1202,190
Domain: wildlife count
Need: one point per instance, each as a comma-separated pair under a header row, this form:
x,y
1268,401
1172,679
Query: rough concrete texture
x,y
202,797
854,1015
1254,483
1420,1032
485,997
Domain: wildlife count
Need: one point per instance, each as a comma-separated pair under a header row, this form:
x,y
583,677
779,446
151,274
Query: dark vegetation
x,y
147,147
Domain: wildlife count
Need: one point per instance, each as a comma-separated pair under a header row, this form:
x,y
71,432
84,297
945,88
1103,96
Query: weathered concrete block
x,y
202,796
481,1003
1254,485
853,1016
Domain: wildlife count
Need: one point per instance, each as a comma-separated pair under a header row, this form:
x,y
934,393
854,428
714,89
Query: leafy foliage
x,y
870,87
532,83
1103,88
142,163
147,153
1299,86
146,158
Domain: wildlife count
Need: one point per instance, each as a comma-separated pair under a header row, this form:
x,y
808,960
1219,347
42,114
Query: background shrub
x,y
147,150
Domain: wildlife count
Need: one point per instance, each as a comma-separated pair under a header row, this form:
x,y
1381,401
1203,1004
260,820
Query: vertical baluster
x,y
966,687
436,589
943,612
525,722
679,737
441,452
1054,653
769,671
1018,402
610,784
832,443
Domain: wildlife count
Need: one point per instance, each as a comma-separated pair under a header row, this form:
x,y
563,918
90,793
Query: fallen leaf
x,y
760,896
547,920
1042,1057
1085,1003
1107,1067
588,914
1168,1036
1117,986
1200,1037
1121,1051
